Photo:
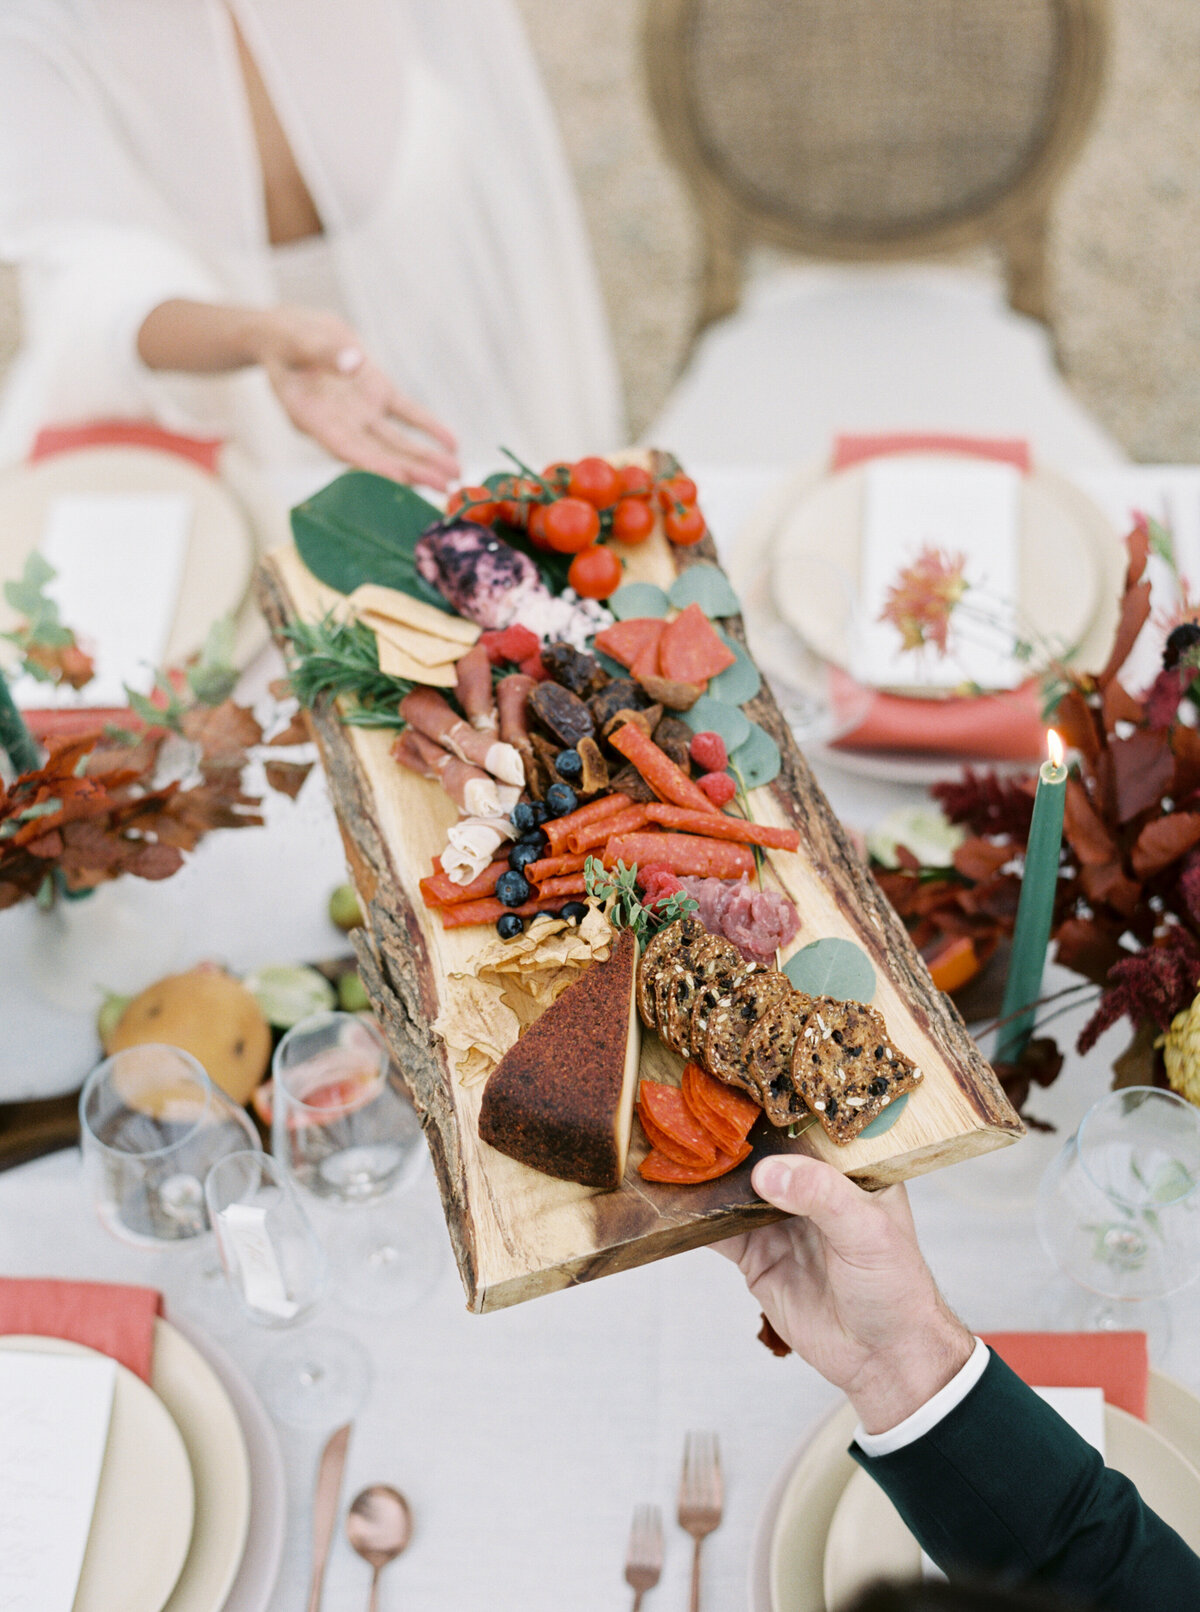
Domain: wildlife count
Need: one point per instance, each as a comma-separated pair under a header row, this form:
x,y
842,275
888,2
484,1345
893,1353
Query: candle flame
x,y
1055,746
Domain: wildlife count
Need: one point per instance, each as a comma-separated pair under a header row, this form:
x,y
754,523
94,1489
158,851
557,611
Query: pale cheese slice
x,y
394,662
410,612
420,646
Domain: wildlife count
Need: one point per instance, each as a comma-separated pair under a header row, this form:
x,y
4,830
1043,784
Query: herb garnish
x,y
619,886
342,658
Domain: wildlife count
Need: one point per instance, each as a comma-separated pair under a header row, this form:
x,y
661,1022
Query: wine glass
x,y
347,1132
278,1273
1119,1208
152,1126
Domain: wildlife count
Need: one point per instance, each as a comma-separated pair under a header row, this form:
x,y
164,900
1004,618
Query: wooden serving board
x,y
517,1233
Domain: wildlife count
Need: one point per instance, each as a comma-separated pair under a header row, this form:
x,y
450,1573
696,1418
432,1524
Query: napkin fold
x,y
114,1320
54,439
1117,1362
993,727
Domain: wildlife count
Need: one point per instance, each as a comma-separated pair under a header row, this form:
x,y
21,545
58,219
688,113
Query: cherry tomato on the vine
x,y
676,490
558,475
636,482
595,481
633,520
517,494
537,526
483,505
570,525
684,526
595,573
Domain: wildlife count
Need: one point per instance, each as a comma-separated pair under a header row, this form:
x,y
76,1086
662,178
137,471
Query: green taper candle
x,y
1035,912
15,738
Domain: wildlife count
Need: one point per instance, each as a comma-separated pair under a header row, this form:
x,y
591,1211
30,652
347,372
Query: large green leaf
x,y
364,528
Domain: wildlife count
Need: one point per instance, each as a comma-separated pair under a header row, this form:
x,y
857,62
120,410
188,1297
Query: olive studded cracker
x,y
768,1054
716,992
674,941
707,960
846,1068
730,1023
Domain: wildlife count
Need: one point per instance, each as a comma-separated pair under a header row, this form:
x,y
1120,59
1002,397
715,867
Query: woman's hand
x,y
845,1284
336,395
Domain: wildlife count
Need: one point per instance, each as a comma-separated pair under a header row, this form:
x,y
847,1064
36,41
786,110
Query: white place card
x,y
968,507
54,1416
119,559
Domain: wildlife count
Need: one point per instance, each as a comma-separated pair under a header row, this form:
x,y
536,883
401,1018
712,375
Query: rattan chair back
x,y
874,129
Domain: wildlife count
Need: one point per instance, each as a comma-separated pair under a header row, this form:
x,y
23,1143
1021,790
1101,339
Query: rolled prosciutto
x,y
475,792
427,711
474,689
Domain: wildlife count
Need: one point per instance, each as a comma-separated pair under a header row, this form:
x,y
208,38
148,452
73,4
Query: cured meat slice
x,y
593,834
427,711
440,890
646,666
663,1142
473,687
625,640
558,829
668,781
682,854
657,1167
726,1115
725,828
689,650
667,1109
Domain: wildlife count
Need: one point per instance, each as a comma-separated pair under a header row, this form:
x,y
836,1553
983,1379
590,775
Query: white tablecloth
x,y
525,1438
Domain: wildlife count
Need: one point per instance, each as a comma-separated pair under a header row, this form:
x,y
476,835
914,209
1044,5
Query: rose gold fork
x,y
701,1498
643,1562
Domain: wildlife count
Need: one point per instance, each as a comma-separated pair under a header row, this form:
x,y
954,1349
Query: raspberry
x,y
515,644
718,786
707,750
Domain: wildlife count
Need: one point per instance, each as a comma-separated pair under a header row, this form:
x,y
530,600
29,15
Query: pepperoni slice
x,y
727,1115
657,1167
690,651
668,1111
662,1142
625,640
647,662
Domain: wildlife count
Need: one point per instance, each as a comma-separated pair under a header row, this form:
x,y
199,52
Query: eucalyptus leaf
x,y
832,967
364,528
714,716
639,599
739,682
705,585
757,758
885,1121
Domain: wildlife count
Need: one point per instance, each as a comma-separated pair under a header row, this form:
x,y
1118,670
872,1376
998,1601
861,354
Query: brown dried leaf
x,y
1135,612
979,859
287,777
1110,885
1143,767
1075,723
1163,841
1086,948
1118,705
1085,829
298,731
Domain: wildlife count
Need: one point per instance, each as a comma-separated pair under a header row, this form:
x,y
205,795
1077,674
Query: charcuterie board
x,y
518,1233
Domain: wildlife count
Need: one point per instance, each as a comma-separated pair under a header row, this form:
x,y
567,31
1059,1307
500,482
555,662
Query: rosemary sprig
x,y
618,886
341,658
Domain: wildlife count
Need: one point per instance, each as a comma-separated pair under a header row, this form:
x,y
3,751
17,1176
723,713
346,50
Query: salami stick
x,y
463,913
668,781
558,828
550,866
724,828
439,890
682,854
583,839
570,884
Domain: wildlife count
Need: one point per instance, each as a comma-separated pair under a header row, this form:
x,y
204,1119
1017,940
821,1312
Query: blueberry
x,y
522,817
574,911
535,837
561,799
512,889
569,765
522,855
509,925
541,812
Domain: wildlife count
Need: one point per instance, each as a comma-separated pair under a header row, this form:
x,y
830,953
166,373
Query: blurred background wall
x,y
1126,248
1126,245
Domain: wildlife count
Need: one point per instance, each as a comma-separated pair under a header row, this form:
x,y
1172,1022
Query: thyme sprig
x,y
341,658
616,889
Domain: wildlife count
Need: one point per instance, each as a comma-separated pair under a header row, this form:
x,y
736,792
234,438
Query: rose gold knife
x,y
325,1508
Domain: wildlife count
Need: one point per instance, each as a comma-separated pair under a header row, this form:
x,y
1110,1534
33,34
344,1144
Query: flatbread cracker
x,y
410,612
394,662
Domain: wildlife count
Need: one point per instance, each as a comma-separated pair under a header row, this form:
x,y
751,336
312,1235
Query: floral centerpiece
x,y
1127,900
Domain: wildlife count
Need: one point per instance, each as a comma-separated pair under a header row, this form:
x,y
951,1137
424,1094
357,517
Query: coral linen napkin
x,y
117,1321
55,439
1114,1361
993,727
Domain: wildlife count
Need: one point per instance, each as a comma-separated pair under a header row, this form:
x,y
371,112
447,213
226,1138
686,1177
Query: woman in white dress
x,y
312,227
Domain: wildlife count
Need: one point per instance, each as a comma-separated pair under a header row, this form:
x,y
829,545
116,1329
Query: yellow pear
x,y
209,1014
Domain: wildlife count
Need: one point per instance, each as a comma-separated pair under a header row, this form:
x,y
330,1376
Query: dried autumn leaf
x,y
1135,613
1085,948
1118,705
1163,841
978,859
1109,885
298,731
1085,829
1143,767
287,777
1075,723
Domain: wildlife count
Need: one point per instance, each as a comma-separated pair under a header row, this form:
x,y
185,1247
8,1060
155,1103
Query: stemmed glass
x,y
152,1126
278,1273
1119,1208
346,1131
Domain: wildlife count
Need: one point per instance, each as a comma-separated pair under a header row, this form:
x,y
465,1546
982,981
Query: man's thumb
x,y
800,1185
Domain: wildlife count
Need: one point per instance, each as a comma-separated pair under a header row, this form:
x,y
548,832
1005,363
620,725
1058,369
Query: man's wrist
x,y
898,1381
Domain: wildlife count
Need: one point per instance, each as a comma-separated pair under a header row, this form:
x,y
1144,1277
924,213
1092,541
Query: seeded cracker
x,y
846,1068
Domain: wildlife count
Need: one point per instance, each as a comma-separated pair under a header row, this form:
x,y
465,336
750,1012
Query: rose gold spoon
x,y
379,1526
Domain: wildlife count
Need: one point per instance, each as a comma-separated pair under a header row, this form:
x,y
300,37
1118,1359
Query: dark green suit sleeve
x,y
1003,1489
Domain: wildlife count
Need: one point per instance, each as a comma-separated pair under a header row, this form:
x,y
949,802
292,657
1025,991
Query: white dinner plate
x,y
868,1538
142,1521
1060,533
787,1562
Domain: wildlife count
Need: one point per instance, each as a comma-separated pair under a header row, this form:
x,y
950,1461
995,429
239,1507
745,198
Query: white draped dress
x,y
453,242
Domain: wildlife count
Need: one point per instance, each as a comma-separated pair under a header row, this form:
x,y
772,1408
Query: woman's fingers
x,y
432,459
415,415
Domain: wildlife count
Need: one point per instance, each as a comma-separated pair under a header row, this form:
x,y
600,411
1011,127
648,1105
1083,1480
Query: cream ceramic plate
x,y
220,556
868,1539
212,1436
142,1522
787,1566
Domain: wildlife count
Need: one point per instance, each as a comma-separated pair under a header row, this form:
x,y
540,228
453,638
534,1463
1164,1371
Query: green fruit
x,y
344,909
287,993
352,994
109,1016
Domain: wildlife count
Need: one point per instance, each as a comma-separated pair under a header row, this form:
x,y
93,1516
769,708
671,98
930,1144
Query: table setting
x,y
303,1408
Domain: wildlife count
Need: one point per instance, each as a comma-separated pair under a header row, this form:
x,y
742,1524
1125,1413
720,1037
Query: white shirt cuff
x,y
931,1412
